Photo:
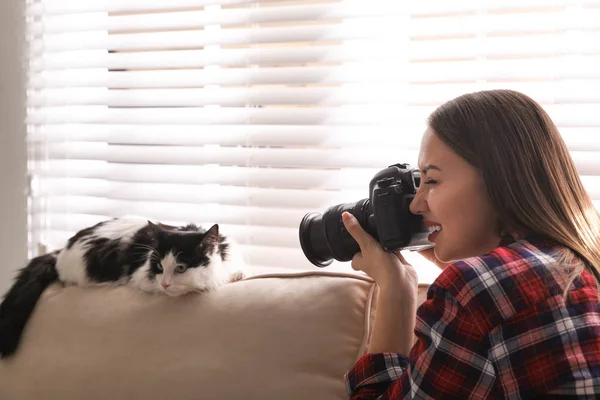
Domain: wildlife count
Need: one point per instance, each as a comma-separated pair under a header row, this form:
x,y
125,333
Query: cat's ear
x,y
166,227
212,234
155,228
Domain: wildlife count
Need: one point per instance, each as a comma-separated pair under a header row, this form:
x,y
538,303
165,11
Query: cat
x,y
138,253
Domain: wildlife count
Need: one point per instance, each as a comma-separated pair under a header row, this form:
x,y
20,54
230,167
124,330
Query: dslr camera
x,y
385,215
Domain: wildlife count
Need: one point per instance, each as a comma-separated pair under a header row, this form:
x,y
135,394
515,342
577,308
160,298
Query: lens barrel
x,y
323,236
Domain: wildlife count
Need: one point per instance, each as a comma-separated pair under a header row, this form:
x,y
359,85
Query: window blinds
x,y
250,114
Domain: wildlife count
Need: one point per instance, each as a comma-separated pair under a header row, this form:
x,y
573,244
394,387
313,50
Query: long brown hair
x,y
529,174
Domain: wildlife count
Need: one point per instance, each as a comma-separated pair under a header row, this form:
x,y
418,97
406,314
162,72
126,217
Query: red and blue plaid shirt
x,y
496,326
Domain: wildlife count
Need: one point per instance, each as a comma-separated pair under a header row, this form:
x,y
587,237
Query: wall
x,y
13,151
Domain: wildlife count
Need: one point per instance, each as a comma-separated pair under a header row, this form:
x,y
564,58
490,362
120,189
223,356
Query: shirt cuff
x,y
375,369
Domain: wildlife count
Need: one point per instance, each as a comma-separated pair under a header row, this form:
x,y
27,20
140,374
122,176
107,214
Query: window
x,y
251,114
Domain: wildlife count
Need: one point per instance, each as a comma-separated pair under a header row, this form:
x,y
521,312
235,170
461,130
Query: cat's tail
x,y
19,302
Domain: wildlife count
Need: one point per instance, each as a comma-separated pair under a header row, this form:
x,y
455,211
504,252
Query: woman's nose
x,y
419,205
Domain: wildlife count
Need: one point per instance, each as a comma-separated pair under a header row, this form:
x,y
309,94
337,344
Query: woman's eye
x,y
431,182
180,269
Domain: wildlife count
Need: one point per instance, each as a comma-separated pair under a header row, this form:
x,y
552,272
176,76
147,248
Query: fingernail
x,y
346,216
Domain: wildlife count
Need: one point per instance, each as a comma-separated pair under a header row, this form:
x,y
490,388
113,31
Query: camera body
x,y
385,215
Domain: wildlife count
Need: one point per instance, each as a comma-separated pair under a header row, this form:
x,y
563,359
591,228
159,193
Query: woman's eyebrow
x,y
428,167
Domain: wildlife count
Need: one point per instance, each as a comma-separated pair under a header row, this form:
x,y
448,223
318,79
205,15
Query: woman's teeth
x,y
436,228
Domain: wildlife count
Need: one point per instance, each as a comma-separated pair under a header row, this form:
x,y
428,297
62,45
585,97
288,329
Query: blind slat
x,y
349,115
212,213
276,157
349,51
336,179
564,92
316,199
348,30
229,135
503,47
432,7
225,97
558,68
588,163
577,138
553,24
568,115
441,7
546,20
49,7
196,194
329,75
549,21
226,16
507,71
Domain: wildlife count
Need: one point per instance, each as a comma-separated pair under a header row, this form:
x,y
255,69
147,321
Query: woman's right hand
x,y
429,254
389,270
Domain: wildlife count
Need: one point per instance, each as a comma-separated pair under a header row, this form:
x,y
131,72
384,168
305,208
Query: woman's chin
x,y
442,254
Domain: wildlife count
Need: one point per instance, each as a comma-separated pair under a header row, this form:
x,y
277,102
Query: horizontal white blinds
x,y
425,8
528,72
251,114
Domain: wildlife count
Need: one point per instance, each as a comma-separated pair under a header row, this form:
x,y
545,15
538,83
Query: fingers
x,y
357,262
401,257
371,257
353,227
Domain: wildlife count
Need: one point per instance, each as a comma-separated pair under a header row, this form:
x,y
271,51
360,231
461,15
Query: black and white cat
x,y
137,253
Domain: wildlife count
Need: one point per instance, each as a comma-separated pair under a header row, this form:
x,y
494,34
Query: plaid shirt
x,y
496,326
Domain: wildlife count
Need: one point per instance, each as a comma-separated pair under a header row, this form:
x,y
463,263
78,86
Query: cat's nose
x,y
165,285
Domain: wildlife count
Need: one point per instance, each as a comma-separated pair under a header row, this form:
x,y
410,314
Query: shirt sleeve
x,y
450,358
373,374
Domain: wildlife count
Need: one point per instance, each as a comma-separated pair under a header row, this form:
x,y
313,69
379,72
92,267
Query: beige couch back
x,y
280,336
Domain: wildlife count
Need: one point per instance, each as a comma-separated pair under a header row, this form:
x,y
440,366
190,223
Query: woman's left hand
x,y
390,271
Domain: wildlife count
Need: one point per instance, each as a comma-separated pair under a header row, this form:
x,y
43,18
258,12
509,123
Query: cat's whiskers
x,y
203,289
153,251
144,256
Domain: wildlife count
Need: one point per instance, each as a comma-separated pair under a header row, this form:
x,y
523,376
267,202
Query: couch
x,y
270,336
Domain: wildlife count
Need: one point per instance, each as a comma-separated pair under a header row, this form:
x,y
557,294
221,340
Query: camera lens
x,y
312,240
323,236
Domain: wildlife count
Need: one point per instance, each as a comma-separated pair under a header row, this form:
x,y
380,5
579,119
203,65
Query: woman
x,y
518,315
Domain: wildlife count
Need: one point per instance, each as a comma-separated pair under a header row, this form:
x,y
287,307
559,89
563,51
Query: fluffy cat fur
x,y
137,253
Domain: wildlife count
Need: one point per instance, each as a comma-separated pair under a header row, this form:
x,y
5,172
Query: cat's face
x,y
184,261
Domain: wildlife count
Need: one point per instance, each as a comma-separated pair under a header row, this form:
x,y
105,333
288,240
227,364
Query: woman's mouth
x,y
435,231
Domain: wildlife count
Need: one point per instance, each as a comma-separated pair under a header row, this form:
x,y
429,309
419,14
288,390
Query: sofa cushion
x,y
276,336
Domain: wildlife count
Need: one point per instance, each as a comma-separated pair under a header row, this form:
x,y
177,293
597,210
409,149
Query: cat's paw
x,y
237,276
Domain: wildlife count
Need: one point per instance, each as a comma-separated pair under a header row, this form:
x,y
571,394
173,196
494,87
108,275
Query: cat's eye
x,y
159,267
180,269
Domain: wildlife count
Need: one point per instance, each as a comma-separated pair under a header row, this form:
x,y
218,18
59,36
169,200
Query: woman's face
x,y
452,196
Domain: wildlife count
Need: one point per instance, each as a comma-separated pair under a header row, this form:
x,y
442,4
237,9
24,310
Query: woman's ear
x,y
502,228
